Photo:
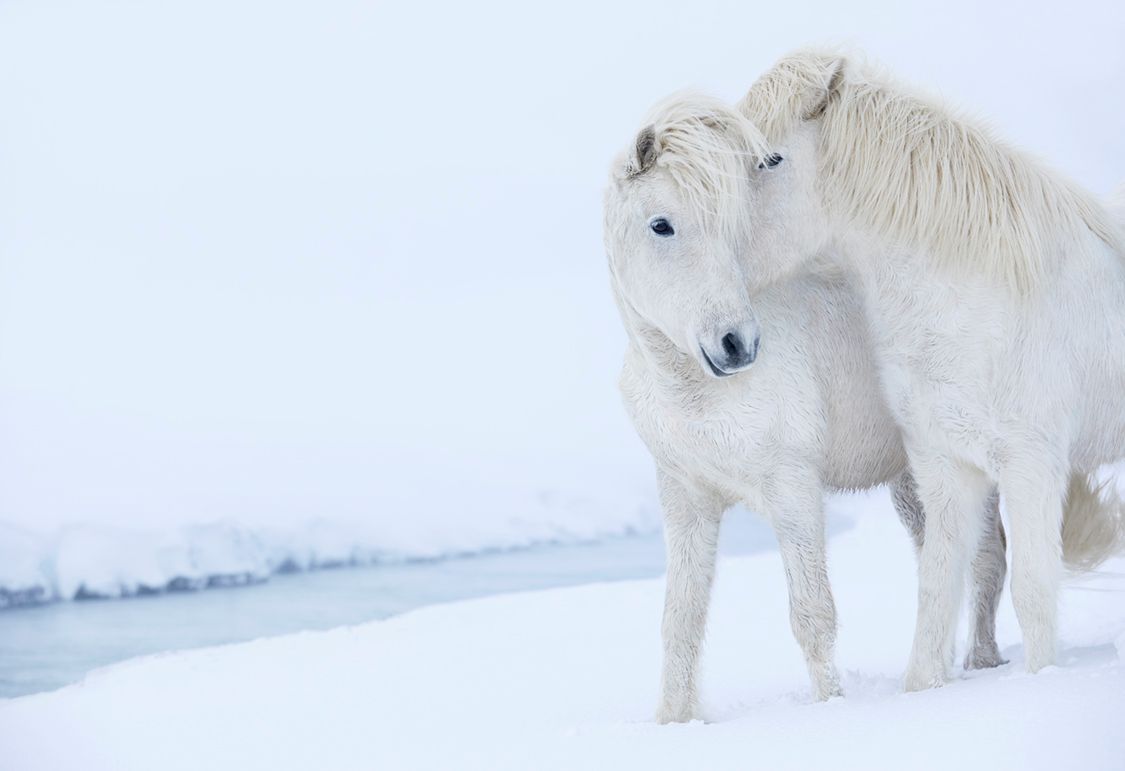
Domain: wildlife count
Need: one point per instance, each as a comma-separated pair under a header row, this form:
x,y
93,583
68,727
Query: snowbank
x,y
97,560
568,679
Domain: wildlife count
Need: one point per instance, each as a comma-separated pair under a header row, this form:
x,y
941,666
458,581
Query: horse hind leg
x,y
904,495
988,570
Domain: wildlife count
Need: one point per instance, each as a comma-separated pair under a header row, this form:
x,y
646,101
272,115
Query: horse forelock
x,y
706,147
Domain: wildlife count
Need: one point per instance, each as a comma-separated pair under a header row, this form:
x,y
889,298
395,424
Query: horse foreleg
x,y
1035,498
691,535
953,496
798,521
988,569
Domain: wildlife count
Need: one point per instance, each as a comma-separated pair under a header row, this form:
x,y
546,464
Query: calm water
x,y
45,647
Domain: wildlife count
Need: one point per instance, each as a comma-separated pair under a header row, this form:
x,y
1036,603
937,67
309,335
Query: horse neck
x,y
969,203
665,365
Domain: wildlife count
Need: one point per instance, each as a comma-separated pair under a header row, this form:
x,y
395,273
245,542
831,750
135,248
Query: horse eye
x,y
770,161
661,227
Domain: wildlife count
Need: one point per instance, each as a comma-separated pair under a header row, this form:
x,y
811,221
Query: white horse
x,y
995,294
807,415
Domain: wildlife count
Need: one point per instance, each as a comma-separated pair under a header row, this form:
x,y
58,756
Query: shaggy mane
x,y
707,147
911,171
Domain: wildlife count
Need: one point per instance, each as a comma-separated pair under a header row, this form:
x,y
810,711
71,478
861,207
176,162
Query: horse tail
x,y
1093,527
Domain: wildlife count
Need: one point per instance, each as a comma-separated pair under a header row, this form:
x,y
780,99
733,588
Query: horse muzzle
x,y
736,350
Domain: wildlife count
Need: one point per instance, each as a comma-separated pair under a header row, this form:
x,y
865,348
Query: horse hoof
x,y
922,680
985,658
667,714
825,680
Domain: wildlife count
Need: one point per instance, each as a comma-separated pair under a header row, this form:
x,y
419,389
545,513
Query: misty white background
x,y
270,264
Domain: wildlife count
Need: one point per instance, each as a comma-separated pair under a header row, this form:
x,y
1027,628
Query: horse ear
x,y
834,78
798,88
646,149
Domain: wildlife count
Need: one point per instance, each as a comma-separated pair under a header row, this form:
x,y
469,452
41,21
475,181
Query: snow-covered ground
x,y
293,284
568,679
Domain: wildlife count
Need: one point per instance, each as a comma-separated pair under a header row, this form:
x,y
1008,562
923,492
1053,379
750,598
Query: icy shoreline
x,y
101,562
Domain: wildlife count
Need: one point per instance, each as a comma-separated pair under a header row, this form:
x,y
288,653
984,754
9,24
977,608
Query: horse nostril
x,y
732,346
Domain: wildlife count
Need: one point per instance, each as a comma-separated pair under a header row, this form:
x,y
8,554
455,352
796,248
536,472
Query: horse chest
x,y
697,433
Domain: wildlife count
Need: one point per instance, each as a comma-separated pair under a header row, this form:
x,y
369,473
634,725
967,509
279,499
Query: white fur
x,y
995,292
806,416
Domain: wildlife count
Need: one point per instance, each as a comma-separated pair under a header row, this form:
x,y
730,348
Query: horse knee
x,y
815,629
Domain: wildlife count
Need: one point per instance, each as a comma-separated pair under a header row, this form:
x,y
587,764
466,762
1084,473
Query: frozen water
x,y
48,646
